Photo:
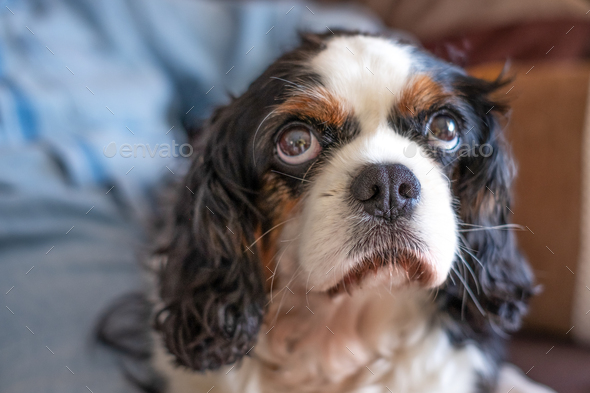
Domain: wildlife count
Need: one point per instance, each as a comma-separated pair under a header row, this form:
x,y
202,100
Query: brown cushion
x,y
546,130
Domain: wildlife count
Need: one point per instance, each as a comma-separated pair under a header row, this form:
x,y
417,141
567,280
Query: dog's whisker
x,y
464,247
466,224
273,272
271,229
464,297
452,279
256,133
287,81
514,227
468,289
471,255
276,294
291,176
470,271
290,240
307,171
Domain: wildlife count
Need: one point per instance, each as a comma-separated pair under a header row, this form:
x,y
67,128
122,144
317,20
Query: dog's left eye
x,y
443,131
297,144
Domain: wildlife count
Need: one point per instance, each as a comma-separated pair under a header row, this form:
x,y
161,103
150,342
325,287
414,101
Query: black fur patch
x,y
211,283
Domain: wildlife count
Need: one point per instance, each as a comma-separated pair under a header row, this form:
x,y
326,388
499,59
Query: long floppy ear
x,y
504,279
210,282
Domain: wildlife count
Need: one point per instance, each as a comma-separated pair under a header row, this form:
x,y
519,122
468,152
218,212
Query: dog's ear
x,y
210,281
504,278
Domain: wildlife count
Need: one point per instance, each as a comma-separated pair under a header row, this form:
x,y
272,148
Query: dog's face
x,y
346,161
363,137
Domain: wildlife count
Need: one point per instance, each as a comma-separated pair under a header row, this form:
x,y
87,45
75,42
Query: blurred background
x,y
98,100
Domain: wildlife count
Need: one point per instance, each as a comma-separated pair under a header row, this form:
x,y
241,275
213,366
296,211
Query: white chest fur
x,y
371,342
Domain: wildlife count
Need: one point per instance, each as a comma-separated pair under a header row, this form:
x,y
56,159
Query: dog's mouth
x,y
405,266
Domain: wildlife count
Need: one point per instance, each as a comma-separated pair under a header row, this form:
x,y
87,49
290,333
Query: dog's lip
x,y
415,265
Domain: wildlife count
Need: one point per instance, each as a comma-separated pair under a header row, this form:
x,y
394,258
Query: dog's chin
x,y
394,270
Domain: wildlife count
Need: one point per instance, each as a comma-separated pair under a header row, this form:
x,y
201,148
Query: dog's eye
x,y
443,131
297,144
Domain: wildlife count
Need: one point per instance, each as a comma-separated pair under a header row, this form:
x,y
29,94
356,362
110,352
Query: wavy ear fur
x,y
504,279
210,283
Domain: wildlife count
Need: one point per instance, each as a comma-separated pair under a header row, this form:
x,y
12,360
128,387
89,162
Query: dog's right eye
x,y
297,144
443,131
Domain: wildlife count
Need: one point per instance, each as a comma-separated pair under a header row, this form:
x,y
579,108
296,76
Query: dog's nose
x,y
387,191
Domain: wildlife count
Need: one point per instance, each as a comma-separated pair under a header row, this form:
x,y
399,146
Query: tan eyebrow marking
x,y
422,94
316,103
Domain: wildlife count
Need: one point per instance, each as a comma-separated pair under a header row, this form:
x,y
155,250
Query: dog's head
x,y
353,161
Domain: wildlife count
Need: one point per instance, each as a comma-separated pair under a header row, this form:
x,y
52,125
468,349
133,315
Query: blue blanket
x,y
94,96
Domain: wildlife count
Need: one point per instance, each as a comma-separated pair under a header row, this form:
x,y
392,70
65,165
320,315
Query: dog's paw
x,y
513,380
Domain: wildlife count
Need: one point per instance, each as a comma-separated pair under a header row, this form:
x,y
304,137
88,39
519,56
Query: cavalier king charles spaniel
x,y
344,227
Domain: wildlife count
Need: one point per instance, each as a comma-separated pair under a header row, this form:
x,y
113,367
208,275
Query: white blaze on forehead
x,y
366,73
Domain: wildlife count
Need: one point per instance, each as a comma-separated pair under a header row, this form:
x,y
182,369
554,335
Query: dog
x,y
338,231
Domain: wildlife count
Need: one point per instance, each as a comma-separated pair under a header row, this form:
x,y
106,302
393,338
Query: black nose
x,y
387,191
